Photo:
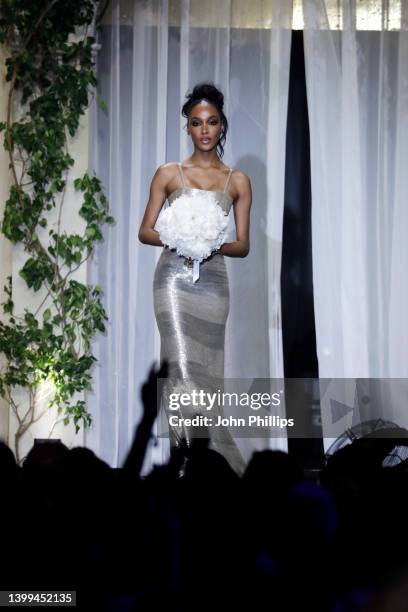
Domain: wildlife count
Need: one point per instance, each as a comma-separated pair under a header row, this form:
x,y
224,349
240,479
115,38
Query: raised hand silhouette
x,y
149,394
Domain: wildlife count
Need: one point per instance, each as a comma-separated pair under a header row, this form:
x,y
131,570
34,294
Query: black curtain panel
x,y
298,323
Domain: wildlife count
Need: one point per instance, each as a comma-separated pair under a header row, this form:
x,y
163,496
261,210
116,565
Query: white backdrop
x,y
148,60
357,89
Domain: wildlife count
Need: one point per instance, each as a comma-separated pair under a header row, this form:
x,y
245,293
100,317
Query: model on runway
x,y
192,302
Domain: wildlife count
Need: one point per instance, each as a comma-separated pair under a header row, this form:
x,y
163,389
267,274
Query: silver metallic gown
x,y
191,317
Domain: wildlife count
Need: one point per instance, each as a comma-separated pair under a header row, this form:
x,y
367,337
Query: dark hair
x,y
209,92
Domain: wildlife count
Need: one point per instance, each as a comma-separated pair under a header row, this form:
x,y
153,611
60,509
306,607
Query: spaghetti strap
x,y
181,173
227,181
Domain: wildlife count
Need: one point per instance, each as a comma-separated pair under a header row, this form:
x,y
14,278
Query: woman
x,y
191,316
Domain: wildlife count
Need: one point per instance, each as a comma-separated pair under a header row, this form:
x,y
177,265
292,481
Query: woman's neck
x,y
204,159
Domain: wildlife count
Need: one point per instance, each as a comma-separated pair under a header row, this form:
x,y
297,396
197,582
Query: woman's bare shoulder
x,y
240,179
164,174
167,168
237,173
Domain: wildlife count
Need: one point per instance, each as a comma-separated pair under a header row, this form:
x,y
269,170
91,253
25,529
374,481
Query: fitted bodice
x,y
221,198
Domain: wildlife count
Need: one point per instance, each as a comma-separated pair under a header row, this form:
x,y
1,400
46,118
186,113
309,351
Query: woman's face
x,y
204,125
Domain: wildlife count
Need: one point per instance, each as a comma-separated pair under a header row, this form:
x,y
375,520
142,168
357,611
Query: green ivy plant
x,y
51,71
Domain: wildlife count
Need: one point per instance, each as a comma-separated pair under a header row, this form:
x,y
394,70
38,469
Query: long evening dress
x,y
191,317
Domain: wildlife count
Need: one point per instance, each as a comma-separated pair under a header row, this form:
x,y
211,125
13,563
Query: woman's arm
x,y
242,206
157,197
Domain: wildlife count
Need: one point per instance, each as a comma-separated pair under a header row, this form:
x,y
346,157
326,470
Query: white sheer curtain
x,y
151,54
357,89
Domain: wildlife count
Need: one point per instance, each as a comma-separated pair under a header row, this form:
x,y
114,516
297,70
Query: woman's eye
x,y
195,124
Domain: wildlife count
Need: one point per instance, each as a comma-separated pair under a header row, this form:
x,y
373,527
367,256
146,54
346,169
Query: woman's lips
x,y
205,140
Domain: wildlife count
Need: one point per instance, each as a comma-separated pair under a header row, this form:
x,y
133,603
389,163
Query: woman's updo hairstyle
x,y
207,91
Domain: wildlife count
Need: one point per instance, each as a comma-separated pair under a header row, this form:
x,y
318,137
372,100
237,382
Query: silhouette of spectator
x,y
192,534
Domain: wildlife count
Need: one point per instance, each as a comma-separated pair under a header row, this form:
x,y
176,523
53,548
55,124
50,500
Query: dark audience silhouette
x,y
193,535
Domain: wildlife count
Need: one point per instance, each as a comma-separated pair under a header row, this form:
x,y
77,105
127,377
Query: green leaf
x,y
102,104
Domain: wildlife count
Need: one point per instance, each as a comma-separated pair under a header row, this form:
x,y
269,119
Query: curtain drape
x,y
151,54
357,88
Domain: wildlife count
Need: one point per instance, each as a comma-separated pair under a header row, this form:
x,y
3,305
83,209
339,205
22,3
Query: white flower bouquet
x,y
194,225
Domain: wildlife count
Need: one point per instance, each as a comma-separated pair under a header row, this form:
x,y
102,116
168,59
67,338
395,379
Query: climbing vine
x,y
51,73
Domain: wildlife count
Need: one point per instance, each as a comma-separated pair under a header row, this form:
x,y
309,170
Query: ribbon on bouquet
x,y
195,264
196,270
